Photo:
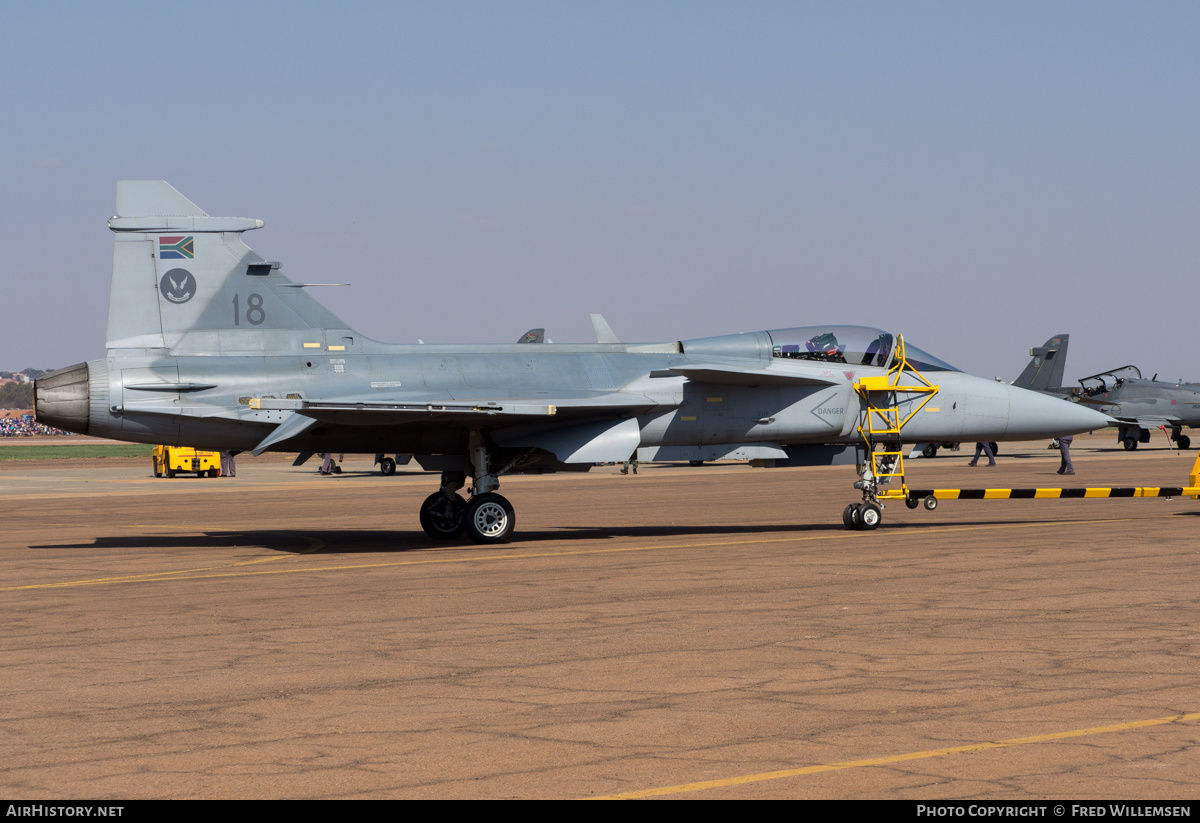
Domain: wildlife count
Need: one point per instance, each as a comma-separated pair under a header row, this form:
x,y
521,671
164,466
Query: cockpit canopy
x,y
852,345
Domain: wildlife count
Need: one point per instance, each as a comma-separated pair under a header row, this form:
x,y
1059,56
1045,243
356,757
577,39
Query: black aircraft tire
x,y
850,515
387,467
489,519
443,519
929,451
1184,442
869,516
995,449
1130,443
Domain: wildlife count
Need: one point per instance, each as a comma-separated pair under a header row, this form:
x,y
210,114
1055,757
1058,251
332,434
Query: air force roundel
x,y
178,285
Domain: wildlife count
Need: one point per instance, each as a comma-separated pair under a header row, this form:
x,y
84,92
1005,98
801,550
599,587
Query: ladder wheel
x,y
930,503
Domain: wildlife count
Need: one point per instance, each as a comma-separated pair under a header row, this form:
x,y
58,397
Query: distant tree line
x,y
16,396
31,372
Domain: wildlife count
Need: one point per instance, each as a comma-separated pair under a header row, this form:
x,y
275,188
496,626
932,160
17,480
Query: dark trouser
x,y
985,449
1064,451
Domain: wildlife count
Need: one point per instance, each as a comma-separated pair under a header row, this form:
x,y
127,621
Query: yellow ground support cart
x,y
170,460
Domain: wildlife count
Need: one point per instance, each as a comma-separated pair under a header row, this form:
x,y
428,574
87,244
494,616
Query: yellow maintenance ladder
x,y
880,427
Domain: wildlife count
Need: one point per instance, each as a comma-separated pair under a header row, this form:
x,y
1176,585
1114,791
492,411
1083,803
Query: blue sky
x,y
976,176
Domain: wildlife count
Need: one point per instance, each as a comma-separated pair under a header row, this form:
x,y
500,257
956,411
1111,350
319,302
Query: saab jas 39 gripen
x,y
212,346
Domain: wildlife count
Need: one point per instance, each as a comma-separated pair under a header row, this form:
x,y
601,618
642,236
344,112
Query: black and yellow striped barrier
x,y
913,497
1044,494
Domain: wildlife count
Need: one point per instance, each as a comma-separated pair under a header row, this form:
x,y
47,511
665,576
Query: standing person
x,y
228,467
1064,450
632,461
985,449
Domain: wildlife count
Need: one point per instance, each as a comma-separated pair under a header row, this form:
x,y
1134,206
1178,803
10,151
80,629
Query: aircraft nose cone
x,y
1036,415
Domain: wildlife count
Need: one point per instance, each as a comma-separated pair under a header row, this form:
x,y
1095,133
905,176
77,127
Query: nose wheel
x,y
862,516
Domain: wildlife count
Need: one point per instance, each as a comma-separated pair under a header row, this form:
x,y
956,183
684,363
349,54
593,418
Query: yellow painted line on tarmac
x,y
742,780
197,574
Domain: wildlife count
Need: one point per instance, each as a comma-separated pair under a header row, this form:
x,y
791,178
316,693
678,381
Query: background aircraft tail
x,y
1045,370
185,281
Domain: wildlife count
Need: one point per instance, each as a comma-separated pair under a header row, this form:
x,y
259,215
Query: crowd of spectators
x,y
24,425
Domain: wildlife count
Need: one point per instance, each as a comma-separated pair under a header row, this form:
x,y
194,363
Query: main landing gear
x,y
487,518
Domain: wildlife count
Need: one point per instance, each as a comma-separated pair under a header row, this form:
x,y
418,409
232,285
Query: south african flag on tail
x,y
175,248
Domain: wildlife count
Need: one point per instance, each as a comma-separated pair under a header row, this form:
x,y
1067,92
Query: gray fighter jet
x,y
211,345
1139,405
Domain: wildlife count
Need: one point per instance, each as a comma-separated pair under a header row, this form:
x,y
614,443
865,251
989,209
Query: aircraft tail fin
x,y
1045,370
533,336
153,198
604,332
185,281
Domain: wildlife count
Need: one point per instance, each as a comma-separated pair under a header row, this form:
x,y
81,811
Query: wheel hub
x,y
491,519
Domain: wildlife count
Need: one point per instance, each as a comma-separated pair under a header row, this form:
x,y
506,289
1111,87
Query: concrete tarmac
x,y
693,632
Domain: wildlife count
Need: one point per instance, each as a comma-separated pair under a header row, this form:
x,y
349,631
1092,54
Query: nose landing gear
x,y
862,516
